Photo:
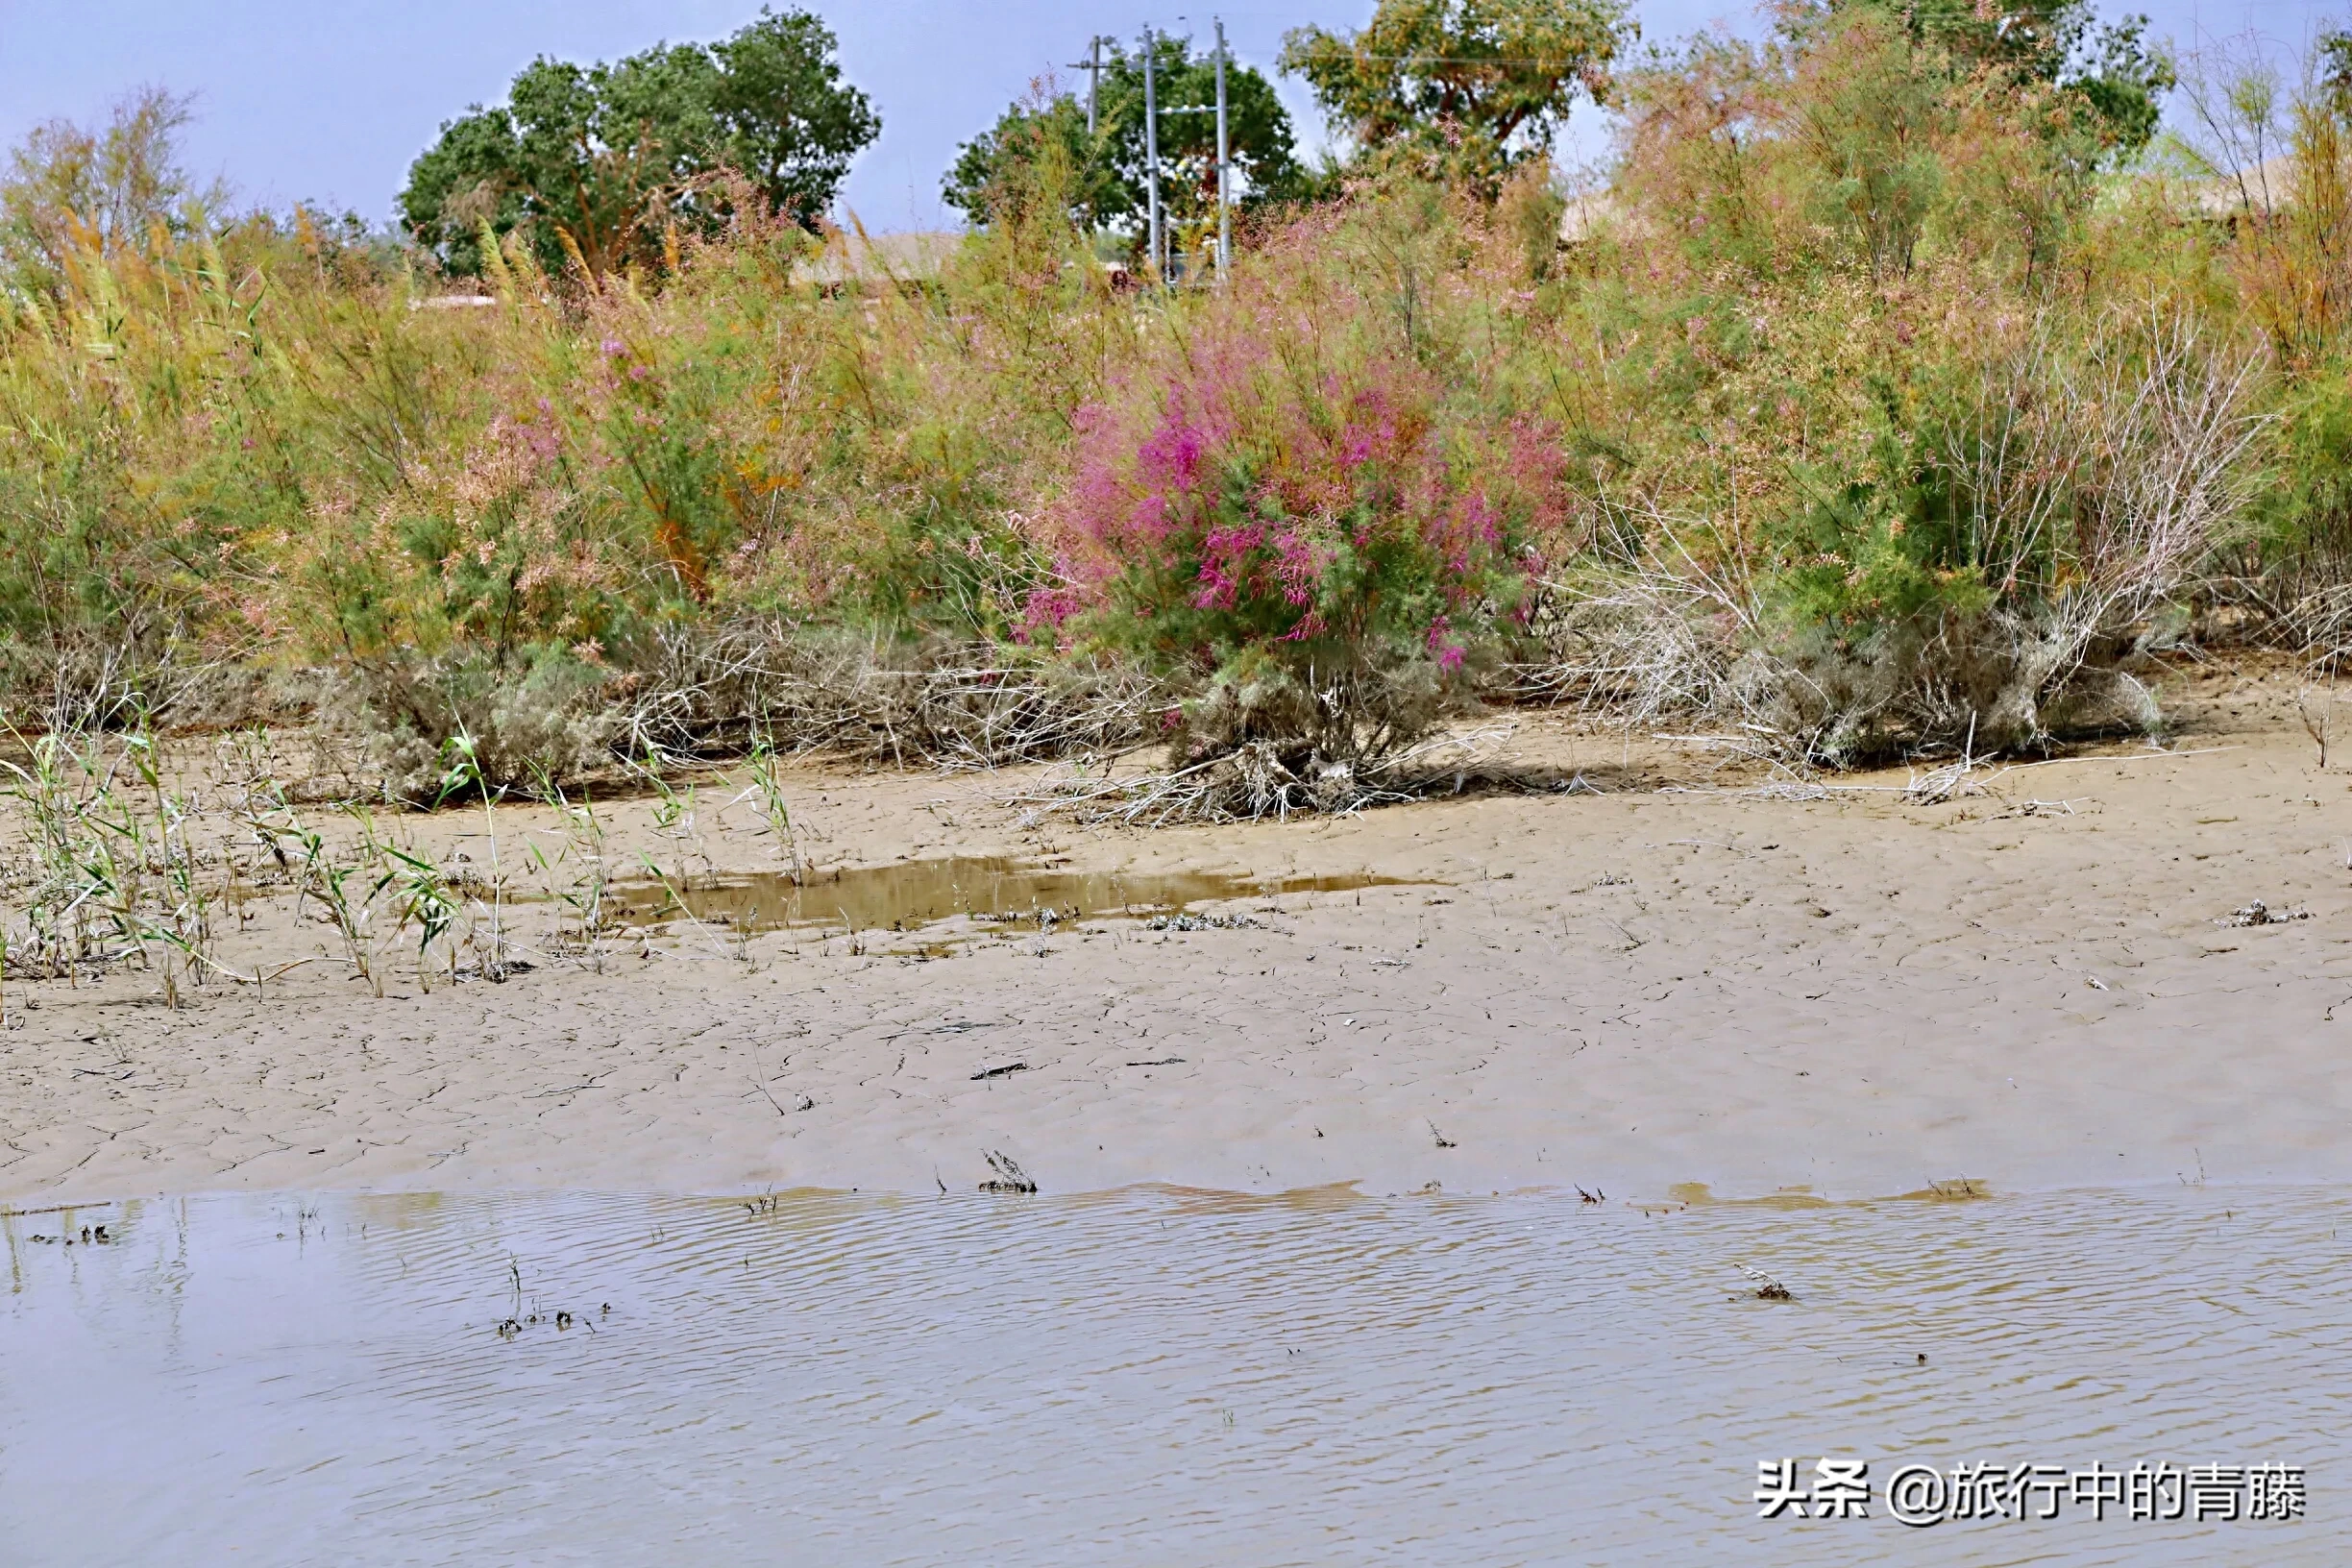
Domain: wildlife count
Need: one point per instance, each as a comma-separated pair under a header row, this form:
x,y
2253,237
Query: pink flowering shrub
x,y
1284,511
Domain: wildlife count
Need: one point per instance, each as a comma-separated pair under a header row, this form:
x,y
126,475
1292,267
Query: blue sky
x,y
328,100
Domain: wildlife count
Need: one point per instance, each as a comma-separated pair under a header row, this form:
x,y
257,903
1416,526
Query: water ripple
x,y
1156,1376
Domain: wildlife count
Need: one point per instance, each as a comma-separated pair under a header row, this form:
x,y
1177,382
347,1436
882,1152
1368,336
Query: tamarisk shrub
x,y
1285,510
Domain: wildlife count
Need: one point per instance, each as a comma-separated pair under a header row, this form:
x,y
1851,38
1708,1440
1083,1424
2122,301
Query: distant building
x,y
2265,188
852,255
1586,216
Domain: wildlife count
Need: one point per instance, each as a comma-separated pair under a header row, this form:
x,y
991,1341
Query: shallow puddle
x,y
1148,1376
912,893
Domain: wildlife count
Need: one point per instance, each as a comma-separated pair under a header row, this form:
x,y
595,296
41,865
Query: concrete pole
x,y
1224,168
1092,66
1094,82
1151,149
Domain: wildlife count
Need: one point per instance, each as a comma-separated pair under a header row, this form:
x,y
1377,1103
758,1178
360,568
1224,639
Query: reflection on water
x,y
918,893
1151,1376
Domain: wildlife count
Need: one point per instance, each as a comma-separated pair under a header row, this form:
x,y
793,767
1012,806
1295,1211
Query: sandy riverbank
x,y
1629,990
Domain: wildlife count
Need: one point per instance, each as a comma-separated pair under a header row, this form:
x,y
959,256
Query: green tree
x,y
2331,69
2120,77
2111,74
787,119
1461,90
1040,149
1103,174
594,160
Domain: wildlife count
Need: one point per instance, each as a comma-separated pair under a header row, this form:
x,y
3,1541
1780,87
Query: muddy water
x,y
918,893
1147,1377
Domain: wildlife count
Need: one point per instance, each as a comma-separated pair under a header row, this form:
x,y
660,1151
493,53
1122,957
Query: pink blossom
x,y
1297,565
1309,625
1263,451
1044,612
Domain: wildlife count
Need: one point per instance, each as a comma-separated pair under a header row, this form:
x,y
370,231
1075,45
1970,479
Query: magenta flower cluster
x,y
1245,496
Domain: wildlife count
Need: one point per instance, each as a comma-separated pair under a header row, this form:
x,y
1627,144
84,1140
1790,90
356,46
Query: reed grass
x,y
1847,481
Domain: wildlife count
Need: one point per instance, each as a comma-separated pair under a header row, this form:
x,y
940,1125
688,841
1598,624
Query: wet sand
x,y
1632,991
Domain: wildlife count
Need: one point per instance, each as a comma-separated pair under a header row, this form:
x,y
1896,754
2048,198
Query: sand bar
x,y
1632,991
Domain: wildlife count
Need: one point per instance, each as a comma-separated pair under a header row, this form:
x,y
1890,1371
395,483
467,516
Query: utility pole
x,y
1151,149
1092,66
1224,168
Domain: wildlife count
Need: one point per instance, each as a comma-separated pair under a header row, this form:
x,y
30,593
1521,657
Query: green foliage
x,y
2123,79
1103,175
1937,415
468,184
260,446
68,188
1876,405
1460,89
595,162
785,118
1871,125
2110,72
1040,149
113,869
